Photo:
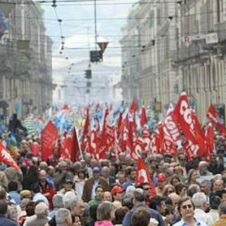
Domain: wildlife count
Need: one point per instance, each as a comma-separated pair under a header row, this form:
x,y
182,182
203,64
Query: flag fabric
x,y
6,158
143,175
75,149
49,138
188,122
133,106
143,117
213,117
86,132
66,146
209,133
12,145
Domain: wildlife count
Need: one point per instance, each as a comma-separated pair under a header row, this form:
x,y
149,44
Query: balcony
x,y
193,51
220,30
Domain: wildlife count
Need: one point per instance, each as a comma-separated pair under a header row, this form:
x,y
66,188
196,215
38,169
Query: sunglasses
x,y
189,206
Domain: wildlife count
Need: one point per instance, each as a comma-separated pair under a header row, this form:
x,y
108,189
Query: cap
x,y
69,181
161,177
25,194
116,189
96,169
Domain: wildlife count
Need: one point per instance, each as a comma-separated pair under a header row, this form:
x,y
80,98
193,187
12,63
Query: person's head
x,y
107,196
117,192
158,203
2,193
121,177
203,167
68,185
215,201
181,189
119,214
50,170
174,197
57,201
141,217
105,211
63,217
78,208
42,175
30,208
222,208
41,210
192,189
146,187
174,180
169,212
77,221
105,172
199,200
186,208
205,186
161,180
218,185
99,191
96,173
192,176
12,186
81,174
223,196
168,189
138,196
3,207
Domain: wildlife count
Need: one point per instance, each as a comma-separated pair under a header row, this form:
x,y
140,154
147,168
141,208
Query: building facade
x,y
201,55
26,59
181,47
155,43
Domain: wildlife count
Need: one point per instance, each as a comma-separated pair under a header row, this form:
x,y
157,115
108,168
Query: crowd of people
x,y
94,192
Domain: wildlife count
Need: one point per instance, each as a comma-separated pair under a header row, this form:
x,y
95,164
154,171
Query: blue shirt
x,y
4,221
182,223
15,196
154,214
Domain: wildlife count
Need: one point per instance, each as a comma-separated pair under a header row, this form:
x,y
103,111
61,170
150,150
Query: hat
x,y
161,177
116,189
69,181
96,169
25,194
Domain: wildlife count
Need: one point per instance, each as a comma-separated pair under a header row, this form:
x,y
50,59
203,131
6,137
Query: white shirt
x,y
182,223
202,216
93,194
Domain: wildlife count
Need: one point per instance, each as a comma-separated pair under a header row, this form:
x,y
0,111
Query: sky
x,y
77,27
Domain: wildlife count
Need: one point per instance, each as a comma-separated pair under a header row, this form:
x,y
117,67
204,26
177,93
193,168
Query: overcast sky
x,y
78,29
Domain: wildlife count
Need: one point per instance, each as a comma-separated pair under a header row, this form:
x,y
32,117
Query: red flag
x,y
49,138
133,106
6,158
188,122
66,146
75,150
143,117
86,132
213,116
144,176
209,139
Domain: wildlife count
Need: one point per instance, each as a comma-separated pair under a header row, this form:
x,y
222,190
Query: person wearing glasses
x,y
186,210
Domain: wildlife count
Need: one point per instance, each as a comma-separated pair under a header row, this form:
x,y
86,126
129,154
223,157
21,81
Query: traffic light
x,y
88,84
88,74
96,56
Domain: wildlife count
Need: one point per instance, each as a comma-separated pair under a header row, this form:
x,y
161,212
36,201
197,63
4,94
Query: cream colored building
x,y
154,46
182,46
201,54
26,59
